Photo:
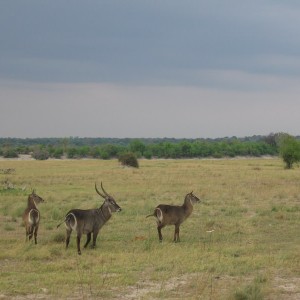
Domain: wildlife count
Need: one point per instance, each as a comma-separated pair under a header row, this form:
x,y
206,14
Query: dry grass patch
x,y
242,240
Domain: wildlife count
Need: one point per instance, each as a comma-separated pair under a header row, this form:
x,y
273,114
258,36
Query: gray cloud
x,y
145,41
149,68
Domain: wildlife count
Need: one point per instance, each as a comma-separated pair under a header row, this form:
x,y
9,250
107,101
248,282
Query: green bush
x,y
289,150
72,153
10,153
148,154
129,159
95,152
58,153
104,154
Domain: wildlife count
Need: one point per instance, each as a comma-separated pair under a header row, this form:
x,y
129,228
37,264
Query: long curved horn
x,y
104,190
98,191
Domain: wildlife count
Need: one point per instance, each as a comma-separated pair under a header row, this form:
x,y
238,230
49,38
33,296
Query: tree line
x,y
107,148
128,150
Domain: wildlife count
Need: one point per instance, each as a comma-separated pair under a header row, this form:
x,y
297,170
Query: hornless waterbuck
x,y
174,215
31,216
90,221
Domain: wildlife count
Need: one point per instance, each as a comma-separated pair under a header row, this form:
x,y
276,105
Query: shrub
x,y
58,153
72,153
40,154
84,151
104,154
95,152
129,159
10,153
148,154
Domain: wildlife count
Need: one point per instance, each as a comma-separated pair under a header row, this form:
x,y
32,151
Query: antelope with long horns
x,y
174,215
31,216
90,221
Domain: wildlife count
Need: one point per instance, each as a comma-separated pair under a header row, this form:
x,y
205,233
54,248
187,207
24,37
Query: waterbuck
x,y
31,216
174,214
90,221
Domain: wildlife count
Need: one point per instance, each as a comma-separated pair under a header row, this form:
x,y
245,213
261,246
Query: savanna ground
x,y
241,242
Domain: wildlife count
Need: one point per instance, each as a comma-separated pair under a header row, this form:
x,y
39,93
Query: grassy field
x,y
241,242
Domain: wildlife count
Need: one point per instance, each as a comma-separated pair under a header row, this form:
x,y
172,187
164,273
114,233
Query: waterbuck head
x,y
192,198
34,198
109,201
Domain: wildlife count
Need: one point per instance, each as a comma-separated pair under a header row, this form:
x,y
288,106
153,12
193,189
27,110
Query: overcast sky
x,y
183,69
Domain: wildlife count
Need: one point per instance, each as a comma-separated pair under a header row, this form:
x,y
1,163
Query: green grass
x,y
239,242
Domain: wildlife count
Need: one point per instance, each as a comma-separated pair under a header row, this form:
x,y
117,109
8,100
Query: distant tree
x,y
72,152
271,139
110,150
289,150
185,149
83,151
137,147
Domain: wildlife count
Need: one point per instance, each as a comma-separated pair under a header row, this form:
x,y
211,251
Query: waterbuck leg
x,y
159,227
35,234
27,234
30,233
176,234
88,239
94,239
68,237
78,244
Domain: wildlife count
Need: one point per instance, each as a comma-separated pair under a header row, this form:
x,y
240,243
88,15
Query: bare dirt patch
x,y
146,287
208,287
20,157
285,288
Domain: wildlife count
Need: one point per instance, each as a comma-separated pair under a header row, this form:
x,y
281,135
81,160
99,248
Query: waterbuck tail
x,y
152,215
61,223
66,219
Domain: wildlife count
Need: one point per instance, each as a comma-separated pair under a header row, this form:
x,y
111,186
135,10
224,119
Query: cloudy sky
x,y
151,68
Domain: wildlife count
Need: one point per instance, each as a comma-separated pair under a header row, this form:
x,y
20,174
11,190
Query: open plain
x,y
241,242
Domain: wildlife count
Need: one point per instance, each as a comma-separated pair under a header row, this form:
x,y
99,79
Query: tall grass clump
x,y
252,291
